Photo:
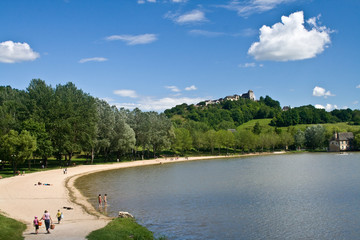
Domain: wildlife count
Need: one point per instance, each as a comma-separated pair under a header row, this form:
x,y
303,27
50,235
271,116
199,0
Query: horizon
x,y
156,54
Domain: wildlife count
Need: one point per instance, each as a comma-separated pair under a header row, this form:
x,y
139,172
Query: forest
x,y
45,122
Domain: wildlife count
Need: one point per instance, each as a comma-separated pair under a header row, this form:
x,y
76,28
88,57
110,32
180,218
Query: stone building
x,y
341,142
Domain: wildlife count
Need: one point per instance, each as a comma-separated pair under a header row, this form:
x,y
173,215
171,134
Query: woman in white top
x,y
47,218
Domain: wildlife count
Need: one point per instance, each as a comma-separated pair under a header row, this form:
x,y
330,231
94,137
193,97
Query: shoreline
x,y
22,199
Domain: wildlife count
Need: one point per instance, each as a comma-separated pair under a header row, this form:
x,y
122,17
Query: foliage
x,y
16,148
11,229
122,229
315,136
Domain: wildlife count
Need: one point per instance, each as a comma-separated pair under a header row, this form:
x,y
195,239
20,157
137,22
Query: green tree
x,y
299,139
17,148
183,140
315,136
74,119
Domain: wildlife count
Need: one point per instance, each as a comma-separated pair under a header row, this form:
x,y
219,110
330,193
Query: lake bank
x,y
22,198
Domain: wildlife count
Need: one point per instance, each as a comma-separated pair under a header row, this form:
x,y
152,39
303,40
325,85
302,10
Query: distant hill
x,y
232,111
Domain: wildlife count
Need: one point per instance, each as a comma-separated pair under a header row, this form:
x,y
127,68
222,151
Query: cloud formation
x,y
159,105
194,16
321,92
126,93
191,88
249,65
173,88
329,107
13,52
249,7
290,40
205,33
94,59
358,86
134,39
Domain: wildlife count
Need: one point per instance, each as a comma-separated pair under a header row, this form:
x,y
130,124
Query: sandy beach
x,y
22,199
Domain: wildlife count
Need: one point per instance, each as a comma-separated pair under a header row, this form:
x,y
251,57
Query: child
x,y
58,215
36,225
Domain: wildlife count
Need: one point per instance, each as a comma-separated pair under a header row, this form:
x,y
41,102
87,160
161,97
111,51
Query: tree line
x,y
59,122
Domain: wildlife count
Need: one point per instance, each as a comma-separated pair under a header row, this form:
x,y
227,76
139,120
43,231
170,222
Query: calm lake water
x,y
295,196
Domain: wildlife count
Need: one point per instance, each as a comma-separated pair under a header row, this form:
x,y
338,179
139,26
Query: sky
x,y
156,54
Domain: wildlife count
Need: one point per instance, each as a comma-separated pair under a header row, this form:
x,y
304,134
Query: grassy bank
x,y
11,229
123,229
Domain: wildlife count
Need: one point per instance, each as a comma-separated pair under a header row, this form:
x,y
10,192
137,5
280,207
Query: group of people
x,y
101,200
48,221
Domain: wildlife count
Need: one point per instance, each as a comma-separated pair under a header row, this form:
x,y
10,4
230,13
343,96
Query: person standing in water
x,y
100,200
105,199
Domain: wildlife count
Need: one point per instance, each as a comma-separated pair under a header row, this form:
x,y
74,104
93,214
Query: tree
x,y
17,148
299,139
257,128
161,131
315,136
183,140
225,139
74,119
44,146
123,139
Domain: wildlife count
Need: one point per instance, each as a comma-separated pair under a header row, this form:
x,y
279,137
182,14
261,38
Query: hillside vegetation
x,y
45,126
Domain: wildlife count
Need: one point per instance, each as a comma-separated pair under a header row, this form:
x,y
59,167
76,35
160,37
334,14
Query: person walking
x,y
47,218
58,215
36,225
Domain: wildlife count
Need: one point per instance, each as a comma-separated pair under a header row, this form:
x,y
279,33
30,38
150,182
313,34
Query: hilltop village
x,y
249,95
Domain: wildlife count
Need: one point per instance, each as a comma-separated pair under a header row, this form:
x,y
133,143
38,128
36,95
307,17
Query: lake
x,y
292,196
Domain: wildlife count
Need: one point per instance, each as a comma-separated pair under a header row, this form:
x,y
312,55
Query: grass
x,y
11,229
122,229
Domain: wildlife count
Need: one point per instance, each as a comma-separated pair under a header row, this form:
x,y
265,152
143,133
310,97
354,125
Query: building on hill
x,y
249,95
341,142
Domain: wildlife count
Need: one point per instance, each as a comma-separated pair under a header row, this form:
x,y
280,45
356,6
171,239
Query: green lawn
x,y
122,229
11,229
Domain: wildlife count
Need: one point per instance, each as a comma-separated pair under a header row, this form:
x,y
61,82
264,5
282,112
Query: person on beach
x,y
100,200
58,215
47,218
36,225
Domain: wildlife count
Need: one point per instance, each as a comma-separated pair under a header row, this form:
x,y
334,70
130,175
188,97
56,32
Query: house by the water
x,y
341,142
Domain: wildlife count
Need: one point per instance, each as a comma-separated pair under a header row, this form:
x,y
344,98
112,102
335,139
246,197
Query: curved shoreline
x,y
22,199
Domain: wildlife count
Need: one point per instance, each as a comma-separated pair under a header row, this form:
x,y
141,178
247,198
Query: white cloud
x,y
191,88
126,93
247,65
178,1
134,39
358,86
355,102
205,33
94,59
194,16
12,52
250,65
173,88
328,107
152,104
290,40
246,8
321,92
143,1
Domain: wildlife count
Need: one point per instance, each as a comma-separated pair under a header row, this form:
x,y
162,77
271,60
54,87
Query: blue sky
x,y
155,54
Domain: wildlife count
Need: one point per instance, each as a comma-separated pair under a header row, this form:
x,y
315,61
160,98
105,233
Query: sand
x,y
22,198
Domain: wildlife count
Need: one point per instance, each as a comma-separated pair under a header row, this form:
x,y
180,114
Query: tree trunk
x,y
92,155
